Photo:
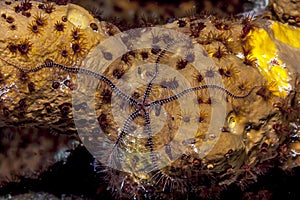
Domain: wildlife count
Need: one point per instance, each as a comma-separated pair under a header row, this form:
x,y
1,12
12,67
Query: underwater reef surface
x,y
286,11
188,108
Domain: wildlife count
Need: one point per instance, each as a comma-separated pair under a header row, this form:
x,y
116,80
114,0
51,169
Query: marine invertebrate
x,y
229,71
219,53
26,51
12,48
13,27
210,72
139,112
48,7
118,72
198,77
107,55
171,84
222,25
59,26
94,26
144,55
10,19
157,98
26,5
40,20
34,28
78,48
76,33
24,47
64,53
181,63
181,23
126,58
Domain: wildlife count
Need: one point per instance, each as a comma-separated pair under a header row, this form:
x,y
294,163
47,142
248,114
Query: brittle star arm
x,y
113,161
125,127
117,90
150,144
149,86
202,87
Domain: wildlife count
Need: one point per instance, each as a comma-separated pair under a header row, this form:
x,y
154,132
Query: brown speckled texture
x,y
257,129
286,10
61,33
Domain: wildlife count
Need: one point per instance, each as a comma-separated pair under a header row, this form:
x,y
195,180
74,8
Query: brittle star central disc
x,y
141,115
158,114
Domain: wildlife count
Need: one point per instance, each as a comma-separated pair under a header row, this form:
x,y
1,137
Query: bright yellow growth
x,y
289,35
270,66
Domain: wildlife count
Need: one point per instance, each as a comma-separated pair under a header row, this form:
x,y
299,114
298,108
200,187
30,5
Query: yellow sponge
x,y
264,50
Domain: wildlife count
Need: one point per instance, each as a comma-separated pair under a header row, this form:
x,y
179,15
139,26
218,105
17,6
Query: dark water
x,y
77,177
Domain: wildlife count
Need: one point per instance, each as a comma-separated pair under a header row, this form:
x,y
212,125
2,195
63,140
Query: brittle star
x,y
141,107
